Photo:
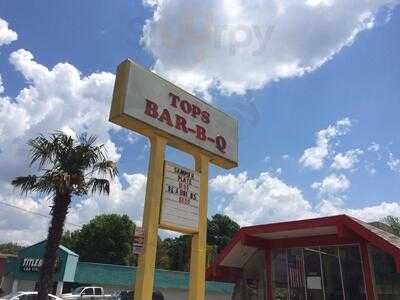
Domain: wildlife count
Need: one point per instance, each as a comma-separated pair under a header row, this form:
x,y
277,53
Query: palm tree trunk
x,y
59,213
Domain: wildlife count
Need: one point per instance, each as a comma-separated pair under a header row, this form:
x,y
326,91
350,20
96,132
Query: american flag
x,y
295,270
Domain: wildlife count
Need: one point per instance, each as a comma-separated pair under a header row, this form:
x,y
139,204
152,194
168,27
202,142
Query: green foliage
x,y
105,239
221,230
175,251
10,248
108,239
394,223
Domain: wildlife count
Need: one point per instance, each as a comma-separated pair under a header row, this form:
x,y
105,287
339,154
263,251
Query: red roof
x,y
334,230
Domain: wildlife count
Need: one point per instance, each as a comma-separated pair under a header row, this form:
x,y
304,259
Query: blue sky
x,y
342,75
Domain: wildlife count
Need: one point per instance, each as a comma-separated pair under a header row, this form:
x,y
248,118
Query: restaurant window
x,y
353,278
387,281
296,274
279,274
318,273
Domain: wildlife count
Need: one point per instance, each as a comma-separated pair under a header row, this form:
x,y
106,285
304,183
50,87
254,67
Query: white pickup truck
x,y
86,292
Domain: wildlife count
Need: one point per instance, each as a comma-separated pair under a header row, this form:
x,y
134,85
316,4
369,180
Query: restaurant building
x,y
22,273
331,258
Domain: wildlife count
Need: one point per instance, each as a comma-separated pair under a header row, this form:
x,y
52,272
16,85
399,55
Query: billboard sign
x,y
149,104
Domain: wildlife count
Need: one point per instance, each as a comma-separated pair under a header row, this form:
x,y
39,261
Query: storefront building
x,y
332,258
22,273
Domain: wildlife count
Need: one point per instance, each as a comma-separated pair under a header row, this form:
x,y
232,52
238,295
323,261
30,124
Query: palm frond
x,y
42,150
99,185
106,167
25,183
87,152
49,182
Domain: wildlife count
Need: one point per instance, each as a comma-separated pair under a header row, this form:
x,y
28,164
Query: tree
x,y
10,248
105,239
394,224
174,253
66,168
221,230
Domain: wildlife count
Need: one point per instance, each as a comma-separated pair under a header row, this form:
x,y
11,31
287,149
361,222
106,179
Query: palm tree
x,y
66,168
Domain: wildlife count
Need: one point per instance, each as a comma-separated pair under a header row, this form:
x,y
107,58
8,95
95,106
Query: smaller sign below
x,y
138,241
180,199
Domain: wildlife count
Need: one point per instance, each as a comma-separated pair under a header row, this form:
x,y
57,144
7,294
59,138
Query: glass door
x,y
312,262
332,279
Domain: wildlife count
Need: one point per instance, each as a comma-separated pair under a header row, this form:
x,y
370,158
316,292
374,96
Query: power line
x,y
34,213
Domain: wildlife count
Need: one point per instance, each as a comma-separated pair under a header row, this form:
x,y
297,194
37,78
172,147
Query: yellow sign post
x,y
199,240
145,272
148,104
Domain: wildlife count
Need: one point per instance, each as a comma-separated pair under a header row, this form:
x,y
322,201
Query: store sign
x,y
180,199
138,241
147,103
33,264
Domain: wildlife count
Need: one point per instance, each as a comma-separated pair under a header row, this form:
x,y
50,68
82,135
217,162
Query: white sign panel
x,y
180,199
142,101
314,283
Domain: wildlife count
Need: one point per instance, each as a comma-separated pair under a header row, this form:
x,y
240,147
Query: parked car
x,y
128,295
86,292
26,296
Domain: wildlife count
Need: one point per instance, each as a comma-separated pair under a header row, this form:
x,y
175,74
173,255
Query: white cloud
x,y
6,34
229,184
267,198
319,2
267,159
285,156
347,160
367,214
259,200
393,163
374,147
314,157
332,184
238,45
55,99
